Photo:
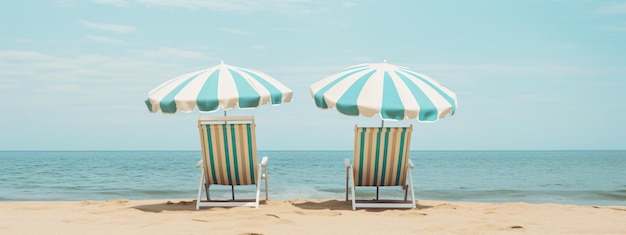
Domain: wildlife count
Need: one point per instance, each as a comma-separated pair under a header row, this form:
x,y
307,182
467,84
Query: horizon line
x,y
284,150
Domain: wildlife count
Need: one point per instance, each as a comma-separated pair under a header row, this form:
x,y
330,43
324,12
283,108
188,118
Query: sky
x,y
528,75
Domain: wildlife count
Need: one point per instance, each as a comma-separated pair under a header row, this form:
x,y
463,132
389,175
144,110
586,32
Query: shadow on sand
x,y
342,205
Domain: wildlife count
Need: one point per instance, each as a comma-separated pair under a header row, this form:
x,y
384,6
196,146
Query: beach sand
x,y
306,217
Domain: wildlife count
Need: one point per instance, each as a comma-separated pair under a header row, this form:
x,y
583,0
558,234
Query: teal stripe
x,y
210,150
443,94
250,157
248,97
386,148
235,155
400,156
275,95
227,154
377,156
168,105
347,103
149,105
207,99
392,107
362,147
319,95
428,111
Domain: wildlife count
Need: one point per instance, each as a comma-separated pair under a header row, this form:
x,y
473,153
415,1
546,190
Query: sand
x,y
306,217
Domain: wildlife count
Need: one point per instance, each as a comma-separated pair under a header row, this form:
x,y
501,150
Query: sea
x,y
561,177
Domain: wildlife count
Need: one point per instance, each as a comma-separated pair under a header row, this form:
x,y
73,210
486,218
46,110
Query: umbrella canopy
x,y
392,91
222,86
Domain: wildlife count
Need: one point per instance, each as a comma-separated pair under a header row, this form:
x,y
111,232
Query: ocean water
x,y
564,177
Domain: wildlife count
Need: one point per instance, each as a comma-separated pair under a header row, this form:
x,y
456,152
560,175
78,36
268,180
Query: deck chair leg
x,y
376,193
347,180
206,188
406,190
258,187
411,187
232,190
352,189
267,197
200,191
258,192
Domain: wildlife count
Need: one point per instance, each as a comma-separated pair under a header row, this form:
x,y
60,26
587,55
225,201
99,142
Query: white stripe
x,y
443,88
441,104
411,107
437,84
186,98
317,86
227,92
160,92
371,96
335,92
287,94
257,86
324,82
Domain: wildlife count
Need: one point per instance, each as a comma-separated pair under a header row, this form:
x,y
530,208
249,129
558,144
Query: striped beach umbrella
x,y
222,86
393,92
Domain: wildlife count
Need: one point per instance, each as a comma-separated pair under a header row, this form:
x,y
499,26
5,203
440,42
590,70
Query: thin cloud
x,y
59,88
33,64
117,3
64,3
292,7
621,27
27,63
362,59
349,4
235,31
36,71
292,30
460,74
169,52
615,8
108,27
105,40
259,47
16,55
534,98
337,23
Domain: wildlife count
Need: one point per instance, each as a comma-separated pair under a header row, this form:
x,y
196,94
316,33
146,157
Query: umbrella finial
x,y
221,61
385,61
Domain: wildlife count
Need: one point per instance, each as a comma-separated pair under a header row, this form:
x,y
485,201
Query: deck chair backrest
x,y
229,150
381,155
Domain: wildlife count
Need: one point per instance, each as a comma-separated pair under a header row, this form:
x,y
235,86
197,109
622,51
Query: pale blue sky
x,y
533,74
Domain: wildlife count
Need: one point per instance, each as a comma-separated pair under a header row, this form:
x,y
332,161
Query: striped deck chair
x,y
229,158
381,158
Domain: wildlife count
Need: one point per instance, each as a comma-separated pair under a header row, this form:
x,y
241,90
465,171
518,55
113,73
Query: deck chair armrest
x,y
199,164
347,162
411,164
264,161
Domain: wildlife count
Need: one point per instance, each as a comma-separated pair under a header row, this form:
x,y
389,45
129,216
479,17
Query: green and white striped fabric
x,y
229,153
381,155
